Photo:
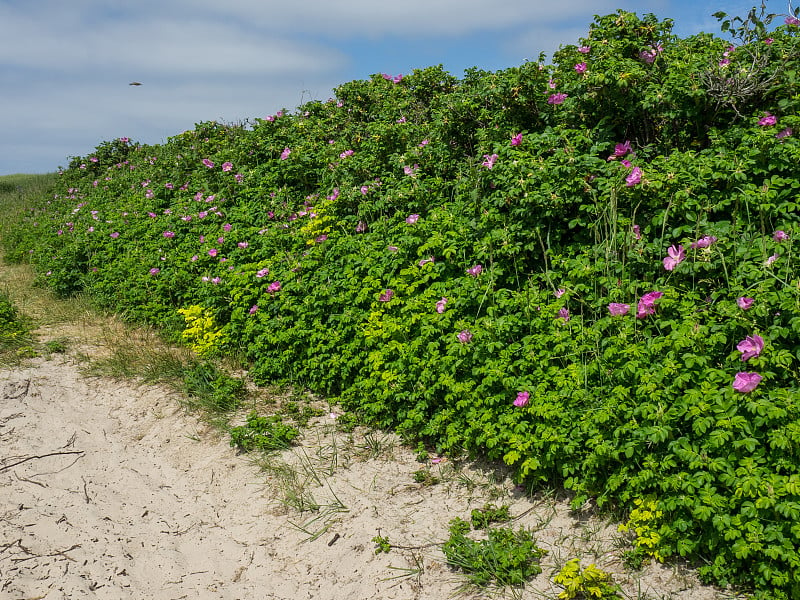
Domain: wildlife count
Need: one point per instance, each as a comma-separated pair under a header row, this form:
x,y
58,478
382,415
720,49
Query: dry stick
x,y
26,459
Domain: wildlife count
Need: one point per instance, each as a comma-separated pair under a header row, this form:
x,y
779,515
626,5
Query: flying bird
x,y
134,83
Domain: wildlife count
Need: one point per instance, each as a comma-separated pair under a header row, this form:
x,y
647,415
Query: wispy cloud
x,y
65,66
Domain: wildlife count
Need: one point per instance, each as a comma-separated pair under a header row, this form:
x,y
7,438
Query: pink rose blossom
x,y
703,242
767,120
746,382
440,305
634,177
411,219
253,309
772,259
489,161
522,399
580,67
227,166
780,235
465,337
646,304
744,303
584,49
563,313
386,295
617,309
751,346
556,99
286,152
208,163
476,270
675,256
516,140
273,287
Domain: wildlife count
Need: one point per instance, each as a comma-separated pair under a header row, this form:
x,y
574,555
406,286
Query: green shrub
x,y
456,264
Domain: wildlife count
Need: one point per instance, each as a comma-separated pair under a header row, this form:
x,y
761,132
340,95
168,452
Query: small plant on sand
x,y
590,582
382,544
263,433
481,518
506,557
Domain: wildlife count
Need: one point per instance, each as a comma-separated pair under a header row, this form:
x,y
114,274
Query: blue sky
x,y
65,66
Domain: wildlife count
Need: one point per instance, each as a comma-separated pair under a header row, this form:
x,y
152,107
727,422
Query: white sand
x,y
141,501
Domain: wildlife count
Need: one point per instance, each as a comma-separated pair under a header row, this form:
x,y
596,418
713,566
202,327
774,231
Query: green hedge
x,y
337,246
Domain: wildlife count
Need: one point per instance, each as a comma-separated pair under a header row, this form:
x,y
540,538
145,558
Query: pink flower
x,y
646,304
621,150
286,152
155,271
580,67
584,49
634,178
784,133
465,337
551,84
392,248
649,56
208,163
675,256
476,270
239,178
346,153
321,238
744,303
516,140
767,120
746,382
213,252
273,287
791,20
115,235
361,227
780,235
424,143
522,399
262,273
768,41
364,189
169,234
253,309
411,170
637,232
490,160
440,305
617,309
411,219
703,242
772,259
227,227
195,258
563,313
559,292
556,98
243,244
425,261
751,346
227,166
386,295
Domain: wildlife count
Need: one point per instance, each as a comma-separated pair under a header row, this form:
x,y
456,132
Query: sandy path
x,y
143,502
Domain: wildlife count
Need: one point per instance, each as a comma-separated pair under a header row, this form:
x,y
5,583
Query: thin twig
x,y
27,458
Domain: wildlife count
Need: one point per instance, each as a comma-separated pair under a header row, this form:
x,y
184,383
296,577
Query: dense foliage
x,y
587,269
